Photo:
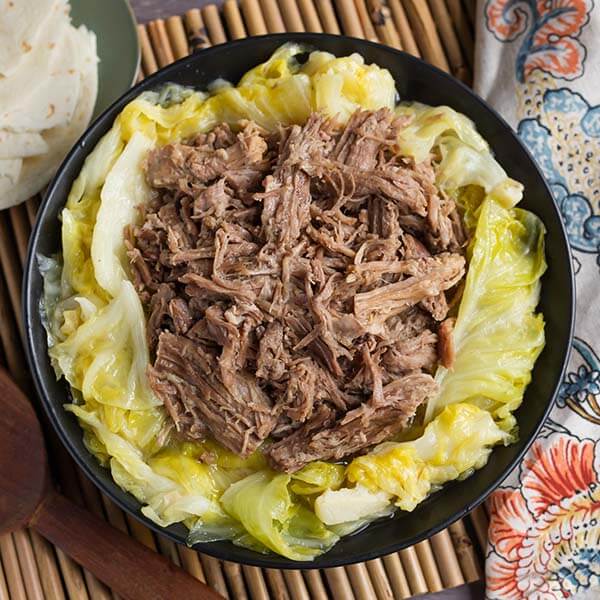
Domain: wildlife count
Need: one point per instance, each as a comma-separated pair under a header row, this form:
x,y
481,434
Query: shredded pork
x,y
296,285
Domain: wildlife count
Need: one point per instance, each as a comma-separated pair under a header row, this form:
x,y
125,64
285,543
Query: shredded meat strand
x,y
296,285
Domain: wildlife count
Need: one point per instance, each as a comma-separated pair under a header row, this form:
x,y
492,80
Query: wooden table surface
x,y
146,10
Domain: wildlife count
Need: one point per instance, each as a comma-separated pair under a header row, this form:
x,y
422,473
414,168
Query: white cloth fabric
x,y
538,64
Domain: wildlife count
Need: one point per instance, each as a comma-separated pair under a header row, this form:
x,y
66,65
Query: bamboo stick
x,y
471,8
167,548
65,470
90,494
214,574
365,21
10,563
481,523
160,42
141,533
114,514
256,583
191,563
72,573
277,584
31,206
233,19
3,585
310,17
463,28
407,38
361,582
254,19
428,565
396,576
272,16
384,24
96,589
12,272
21,229
314,581
295,584
177,37
214,24
195,30
379,579
425,32
446,559
291,15
465,552
350,21
149,63
233,573
414,573
328,18
449,39
11,343
339,584
29,569
48,567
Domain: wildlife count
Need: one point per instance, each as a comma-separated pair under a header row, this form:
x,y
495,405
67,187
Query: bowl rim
x,y
34,356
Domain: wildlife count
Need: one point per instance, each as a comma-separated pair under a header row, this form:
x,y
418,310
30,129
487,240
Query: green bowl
x,y
118,47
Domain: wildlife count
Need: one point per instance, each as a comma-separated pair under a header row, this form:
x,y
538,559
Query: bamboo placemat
x,y
439,31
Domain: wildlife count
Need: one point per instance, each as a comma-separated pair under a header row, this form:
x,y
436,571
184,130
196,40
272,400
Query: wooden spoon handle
x,y
133,571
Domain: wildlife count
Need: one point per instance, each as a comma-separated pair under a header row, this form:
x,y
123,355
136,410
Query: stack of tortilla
x,y
48,86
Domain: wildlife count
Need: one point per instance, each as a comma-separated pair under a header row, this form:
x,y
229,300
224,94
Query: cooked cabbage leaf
x,y
124,191
107,355
427,126
96,323
457,441
351,505
317,477
464,156
79,217
497,334
166,500
262,503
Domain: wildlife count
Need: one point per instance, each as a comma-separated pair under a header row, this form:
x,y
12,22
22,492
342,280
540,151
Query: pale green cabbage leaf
x,y
96,322
461,155
106,356
262,503
455,443
497,334
124,191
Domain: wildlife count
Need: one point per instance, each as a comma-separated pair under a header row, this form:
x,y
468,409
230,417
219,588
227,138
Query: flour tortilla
x,y
10,169
21,24
21,145
37,170
43,92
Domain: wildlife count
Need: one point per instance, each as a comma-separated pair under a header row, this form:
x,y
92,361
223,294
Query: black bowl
x,y
415,80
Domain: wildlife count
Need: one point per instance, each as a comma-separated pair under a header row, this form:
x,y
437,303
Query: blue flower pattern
x,y
577,209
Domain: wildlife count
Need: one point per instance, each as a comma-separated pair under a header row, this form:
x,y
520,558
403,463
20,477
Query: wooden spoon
x,y
133,571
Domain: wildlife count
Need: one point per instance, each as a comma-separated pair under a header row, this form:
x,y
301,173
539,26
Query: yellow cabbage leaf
x,y
262,503
457,441
107,355
498,336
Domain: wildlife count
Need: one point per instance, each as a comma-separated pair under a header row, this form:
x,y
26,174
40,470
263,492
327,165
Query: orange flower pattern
x,y
544,539
544,536
548,30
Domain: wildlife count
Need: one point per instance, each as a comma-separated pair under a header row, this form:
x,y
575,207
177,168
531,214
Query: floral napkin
x,y
538,63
